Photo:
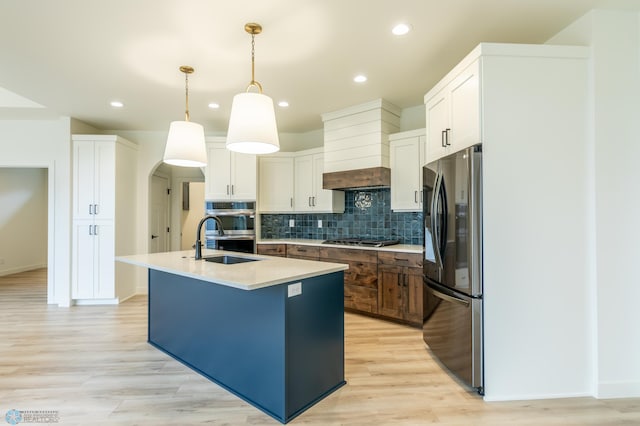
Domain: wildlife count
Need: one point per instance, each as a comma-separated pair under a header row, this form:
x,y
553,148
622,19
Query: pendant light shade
x,y
185,143
252,124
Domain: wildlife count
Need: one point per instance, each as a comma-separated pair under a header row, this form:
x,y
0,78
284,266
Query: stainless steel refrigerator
x,y
453,263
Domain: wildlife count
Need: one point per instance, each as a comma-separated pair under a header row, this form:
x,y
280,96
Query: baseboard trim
x,y
531,397
611,390
88,302
19,269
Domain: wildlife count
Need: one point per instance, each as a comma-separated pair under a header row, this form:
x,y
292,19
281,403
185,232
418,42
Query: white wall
x,y
23,219
614,37
47,144
190,218
179,175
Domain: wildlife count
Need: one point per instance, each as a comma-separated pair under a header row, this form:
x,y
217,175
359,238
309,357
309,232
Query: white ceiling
x,y
74,56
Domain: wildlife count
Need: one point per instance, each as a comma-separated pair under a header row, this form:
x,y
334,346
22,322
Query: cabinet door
x,y
303,183
82,263
275,193
104,260
83,179
93,274
322,198
390,291
413,295
243,176
406,187
105,180
464,98
218,172
437,122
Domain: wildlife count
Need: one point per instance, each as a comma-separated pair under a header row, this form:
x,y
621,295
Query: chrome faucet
x,y
198,243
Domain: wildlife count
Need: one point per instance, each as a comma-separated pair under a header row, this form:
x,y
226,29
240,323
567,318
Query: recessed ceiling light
x,y
214,105
116,104
401,29
360,78
283,104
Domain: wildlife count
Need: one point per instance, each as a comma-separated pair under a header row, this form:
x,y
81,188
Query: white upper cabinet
x,y
453,113
94,179
229,175
309,195
292,182
407,151
275,194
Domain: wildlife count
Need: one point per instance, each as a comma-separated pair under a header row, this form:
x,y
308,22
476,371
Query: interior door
x,y
159,221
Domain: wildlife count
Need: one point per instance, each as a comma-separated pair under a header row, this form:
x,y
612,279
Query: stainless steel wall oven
x,y
238,223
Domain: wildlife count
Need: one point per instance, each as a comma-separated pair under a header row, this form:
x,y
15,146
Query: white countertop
x,y
403,248
270,270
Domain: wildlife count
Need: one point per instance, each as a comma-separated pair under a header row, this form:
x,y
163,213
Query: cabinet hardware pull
x,y
227,189
401,259
95,229
291,202
95,209
90,209
442,136
90,229
314,201
309,202
233,190
415,196
447,138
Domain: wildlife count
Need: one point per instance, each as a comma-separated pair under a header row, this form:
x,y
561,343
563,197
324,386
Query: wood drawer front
x,y
348,254
412,260
303,252
272,249
361,298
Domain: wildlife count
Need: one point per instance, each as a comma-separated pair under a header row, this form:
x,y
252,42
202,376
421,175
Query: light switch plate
x,y
319,223
294,289
292,223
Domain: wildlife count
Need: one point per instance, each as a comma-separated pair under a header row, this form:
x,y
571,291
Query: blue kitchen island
x,y
271,331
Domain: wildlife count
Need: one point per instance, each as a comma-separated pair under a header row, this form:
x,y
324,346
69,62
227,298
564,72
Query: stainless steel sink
x,y
228,260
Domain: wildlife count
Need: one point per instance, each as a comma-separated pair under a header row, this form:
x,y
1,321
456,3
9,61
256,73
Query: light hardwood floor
x,y
93,366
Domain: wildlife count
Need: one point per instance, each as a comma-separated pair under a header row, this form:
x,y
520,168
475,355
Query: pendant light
x,y
185,143
252,124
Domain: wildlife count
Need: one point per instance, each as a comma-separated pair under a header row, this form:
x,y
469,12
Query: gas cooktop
x,y
364,242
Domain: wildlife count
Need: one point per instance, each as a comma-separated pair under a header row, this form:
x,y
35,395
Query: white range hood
x,y
356,145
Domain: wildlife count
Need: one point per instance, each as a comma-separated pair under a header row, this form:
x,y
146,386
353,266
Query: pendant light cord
x,y
186,89
253,64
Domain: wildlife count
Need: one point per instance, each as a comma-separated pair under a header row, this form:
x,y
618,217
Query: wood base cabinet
x,y
360,280
279,250
400,288
300,251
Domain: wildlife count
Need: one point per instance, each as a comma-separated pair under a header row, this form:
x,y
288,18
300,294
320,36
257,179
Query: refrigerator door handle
x,y
436,232
448,298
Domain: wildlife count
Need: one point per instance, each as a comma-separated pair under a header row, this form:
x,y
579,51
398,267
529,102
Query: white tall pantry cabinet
x,y
104,200
531,116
